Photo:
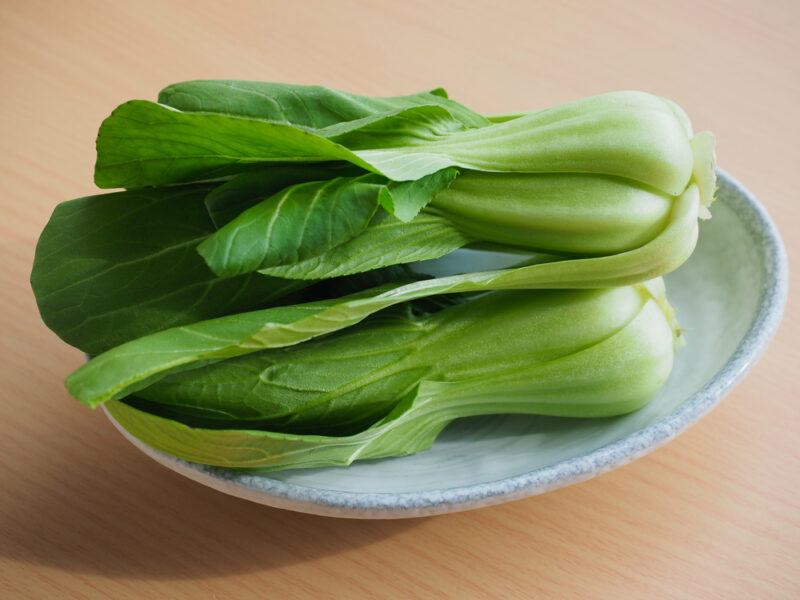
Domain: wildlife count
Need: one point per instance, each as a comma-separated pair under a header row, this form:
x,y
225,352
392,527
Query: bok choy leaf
x,y
231,198
311,106
115,267
306,220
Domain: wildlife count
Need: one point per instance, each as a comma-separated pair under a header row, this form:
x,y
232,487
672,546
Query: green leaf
x,y
405,199
114,267
132,366
409,126
386,241
307,223
627,134
311,106
301,221
146,144
336,387
230,199
613,375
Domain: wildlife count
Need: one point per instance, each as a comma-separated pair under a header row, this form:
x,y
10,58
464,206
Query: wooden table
x,y
85,515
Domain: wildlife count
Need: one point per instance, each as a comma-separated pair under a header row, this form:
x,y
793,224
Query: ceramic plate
x,y
729,297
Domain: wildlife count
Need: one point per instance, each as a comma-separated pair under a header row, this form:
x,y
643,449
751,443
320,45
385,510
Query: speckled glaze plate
x,y
729,297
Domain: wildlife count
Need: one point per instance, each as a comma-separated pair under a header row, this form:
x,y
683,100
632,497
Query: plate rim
x,y
326,502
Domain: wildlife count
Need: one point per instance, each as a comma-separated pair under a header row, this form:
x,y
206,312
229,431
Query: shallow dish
x,y
729,297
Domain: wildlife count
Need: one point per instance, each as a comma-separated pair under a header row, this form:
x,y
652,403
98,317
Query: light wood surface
x,y
85,515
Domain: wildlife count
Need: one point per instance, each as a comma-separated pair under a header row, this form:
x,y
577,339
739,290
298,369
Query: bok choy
x,y
389,387
246,299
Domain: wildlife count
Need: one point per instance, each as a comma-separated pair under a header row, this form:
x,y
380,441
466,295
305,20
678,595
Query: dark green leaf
x,y
146,144
405,199
386,241
301,221
311,106
227,201
406,127
306,223
114,267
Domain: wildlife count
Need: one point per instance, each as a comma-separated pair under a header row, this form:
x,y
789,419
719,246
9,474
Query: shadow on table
x,y
87,502
116,512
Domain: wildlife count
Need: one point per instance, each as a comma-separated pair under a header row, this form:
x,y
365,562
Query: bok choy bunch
x,y
253,297
390,385
593,177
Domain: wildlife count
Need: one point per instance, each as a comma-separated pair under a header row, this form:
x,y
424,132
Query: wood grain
x,y
84,515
